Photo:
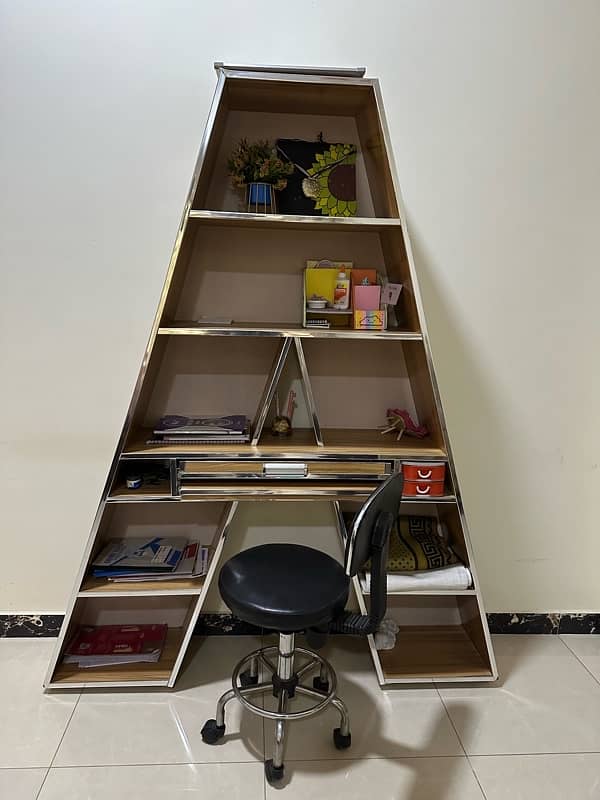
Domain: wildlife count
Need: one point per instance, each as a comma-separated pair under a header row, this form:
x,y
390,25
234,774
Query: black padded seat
x,y
284,587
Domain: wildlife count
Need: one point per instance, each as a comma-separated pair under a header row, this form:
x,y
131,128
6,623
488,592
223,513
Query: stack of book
x,y
107,645
178,429
151,559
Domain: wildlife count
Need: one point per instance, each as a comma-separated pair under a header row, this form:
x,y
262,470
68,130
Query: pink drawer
x,y
423,471
423,488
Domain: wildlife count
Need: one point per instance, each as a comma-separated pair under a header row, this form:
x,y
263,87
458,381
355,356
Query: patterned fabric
x,y
415,544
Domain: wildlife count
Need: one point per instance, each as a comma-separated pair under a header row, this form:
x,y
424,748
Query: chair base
x,y
285,684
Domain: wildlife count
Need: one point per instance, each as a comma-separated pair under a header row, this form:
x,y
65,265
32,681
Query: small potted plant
x,y
257,168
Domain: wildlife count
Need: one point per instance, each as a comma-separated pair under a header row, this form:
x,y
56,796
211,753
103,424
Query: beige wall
x,y
495,120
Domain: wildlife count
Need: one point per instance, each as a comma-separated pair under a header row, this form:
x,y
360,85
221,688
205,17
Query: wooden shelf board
x,y
373,441
281,329
431,593
301,443
293,221
100,587
159,491
436,651
160,672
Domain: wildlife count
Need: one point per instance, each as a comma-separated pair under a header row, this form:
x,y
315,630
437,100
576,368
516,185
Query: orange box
x,y
423,488
370,320
424,471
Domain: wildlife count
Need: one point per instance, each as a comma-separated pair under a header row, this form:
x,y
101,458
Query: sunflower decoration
x,y
331,181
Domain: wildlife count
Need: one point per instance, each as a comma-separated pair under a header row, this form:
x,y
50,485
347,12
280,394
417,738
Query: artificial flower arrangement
x,y
258,163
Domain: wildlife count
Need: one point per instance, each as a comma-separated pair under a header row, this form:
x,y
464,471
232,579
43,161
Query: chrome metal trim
x,y
431,369
269,391
138,386
285,469
263,331
346,72
291,77
52,687
220,535
253,476
173,477
324,699
294,220
298,493
261,455
308,392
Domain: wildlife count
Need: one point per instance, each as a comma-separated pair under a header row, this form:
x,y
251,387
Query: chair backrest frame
x,y
386,498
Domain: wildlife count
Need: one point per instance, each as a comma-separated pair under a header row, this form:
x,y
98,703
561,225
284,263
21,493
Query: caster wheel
x,y
211,732
273,774
341,742
246,679
320,686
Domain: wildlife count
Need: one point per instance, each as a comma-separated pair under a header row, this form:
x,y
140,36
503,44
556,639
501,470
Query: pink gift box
x,y
366,298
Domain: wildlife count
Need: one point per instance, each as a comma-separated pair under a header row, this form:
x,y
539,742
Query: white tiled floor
x,y
533,736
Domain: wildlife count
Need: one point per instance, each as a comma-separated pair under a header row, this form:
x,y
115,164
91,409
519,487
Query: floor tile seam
x,y
157,764
58,746
39,791
451,721
29,768
536,755
574,654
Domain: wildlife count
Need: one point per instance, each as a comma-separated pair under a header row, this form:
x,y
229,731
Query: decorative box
x,y
366,298
422,488
424,479
370,320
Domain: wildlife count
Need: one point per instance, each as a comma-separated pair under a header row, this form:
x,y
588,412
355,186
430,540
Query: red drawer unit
x,y
423,479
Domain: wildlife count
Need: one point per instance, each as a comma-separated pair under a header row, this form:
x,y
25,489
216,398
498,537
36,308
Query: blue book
x,y
152,554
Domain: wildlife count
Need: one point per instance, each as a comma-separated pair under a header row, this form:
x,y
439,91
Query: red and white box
x,y
423,479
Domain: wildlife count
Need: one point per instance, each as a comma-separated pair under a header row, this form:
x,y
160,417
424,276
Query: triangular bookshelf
x,y
248,268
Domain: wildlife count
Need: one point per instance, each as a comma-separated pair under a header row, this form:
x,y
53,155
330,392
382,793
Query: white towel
x,y
455,577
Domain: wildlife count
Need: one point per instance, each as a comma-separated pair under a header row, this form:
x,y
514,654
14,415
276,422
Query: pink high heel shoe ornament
x,y
399,420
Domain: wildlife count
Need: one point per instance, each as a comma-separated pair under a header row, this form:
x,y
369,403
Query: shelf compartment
x,y
437,651
441,637
72,675
355,382
359,126
197,376
156,483
173,610
145,519
255,273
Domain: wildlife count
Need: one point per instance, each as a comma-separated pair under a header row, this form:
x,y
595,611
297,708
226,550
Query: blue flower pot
x,y
260,193
260,197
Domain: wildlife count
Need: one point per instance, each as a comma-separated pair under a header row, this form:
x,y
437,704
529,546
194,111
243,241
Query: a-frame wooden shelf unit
x,y
248,267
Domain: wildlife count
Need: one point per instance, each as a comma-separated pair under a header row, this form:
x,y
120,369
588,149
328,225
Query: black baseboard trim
x,y
48,625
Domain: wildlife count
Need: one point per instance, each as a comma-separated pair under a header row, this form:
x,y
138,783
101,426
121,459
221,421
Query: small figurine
x,y
282,424
400,421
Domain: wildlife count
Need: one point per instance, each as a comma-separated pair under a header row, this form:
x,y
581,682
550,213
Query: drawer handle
x,y
426,490
424,474
285,469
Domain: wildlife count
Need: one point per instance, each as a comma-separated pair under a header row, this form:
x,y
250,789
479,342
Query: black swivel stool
x,y
288,588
